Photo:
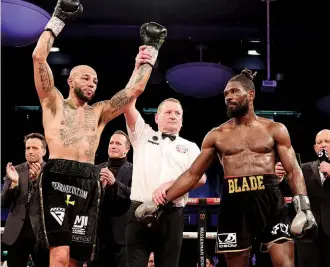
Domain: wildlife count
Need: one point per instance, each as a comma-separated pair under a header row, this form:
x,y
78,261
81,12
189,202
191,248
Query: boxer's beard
x,y
81,95
239,111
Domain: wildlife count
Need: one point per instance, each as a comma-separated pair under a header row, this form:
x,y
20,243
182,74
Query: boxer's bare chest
x,y
245,140
75,125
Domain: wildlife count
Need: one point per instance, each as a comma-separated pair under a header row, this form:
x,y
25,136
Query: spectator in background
x,y
317,179
116,201
209,262
17,194
151,262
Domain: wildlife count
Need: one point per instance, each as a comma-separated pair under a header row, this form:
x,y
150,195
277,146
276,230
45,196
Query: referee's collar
x,y
160,133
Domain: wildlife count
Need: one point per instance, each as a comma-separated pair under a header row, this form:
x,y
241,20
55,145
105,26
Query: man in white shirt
x,y
159,158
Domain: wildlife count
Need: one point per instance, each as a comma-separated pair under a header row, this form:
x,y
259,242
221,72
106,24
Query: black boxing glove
x,y
148,212
304,226
153,34
65,11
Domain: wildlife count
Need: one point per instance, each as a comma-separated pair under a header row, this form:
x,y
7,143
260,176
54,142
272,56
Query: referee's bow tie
x,y
172,137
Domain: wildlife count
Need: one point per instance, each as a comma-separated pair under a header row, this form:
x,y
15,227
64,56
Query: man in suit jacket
x,y
317,179
116,202
22,222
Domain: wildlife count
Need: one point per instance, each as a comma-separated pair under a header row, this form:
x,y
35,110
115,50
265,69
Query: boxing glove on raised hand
x,y
304,226
153,34
65,11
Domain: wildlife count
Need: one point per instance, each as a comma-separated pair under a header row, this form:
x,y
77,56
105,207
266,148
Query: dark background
x,y
106,37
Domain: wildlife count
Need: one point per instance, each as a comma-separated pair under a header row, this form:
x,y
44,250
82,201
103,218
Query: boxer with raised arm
x,y
69,187
252,205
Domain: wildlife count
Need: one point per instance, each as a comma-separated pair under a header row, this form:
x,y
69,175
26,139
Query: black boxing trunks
x,y
252,207
69,194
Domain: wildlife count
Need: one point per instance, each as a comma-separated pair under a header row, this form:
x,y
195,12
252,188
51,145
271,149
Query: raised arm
x,y
65,11
43,76
153,36
131,115
190,178
123,100
289,161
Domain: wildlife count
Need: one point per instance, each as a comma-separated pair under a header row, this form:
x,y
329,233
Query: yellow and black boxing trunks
x,y
251,207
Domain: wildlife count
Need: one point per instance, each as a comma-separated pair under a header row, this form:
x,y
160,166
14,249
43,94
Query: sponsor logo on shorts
x,y
252,183
68,189
182,149
68,201
227,240
80,225
281,228
81,239
58,214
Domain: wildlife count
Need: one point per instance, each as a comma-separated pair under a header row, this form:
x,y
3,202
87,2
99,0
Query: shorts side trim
x,y
99,199
234,250
269,244
43,233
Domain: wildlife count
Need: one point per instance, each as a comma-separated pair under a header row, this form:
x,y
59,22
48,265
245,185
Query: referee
x,y
159,158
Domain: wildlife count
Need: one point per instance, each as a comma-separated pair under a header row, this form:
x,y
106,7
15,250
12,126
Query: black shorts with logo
x,y
252,207
69,196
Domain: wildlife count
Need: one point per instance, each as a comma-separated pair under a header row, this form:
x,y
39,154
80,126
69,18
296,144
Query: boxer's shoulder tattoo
x,y
46,77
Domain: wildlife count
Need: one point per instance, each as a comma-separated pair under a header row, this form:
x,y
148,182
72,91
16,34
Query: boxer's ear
x,y
70,82
252,94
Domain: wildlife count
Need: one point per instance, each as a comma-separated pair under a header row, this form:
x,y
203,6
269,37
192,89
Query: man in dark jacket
x,y
317,179
116,202
17,195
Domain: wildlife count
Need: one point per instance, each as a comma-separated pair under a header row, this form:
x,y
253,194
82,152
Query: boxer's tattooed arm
x,y
43,76
46,77
116,105
138,75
